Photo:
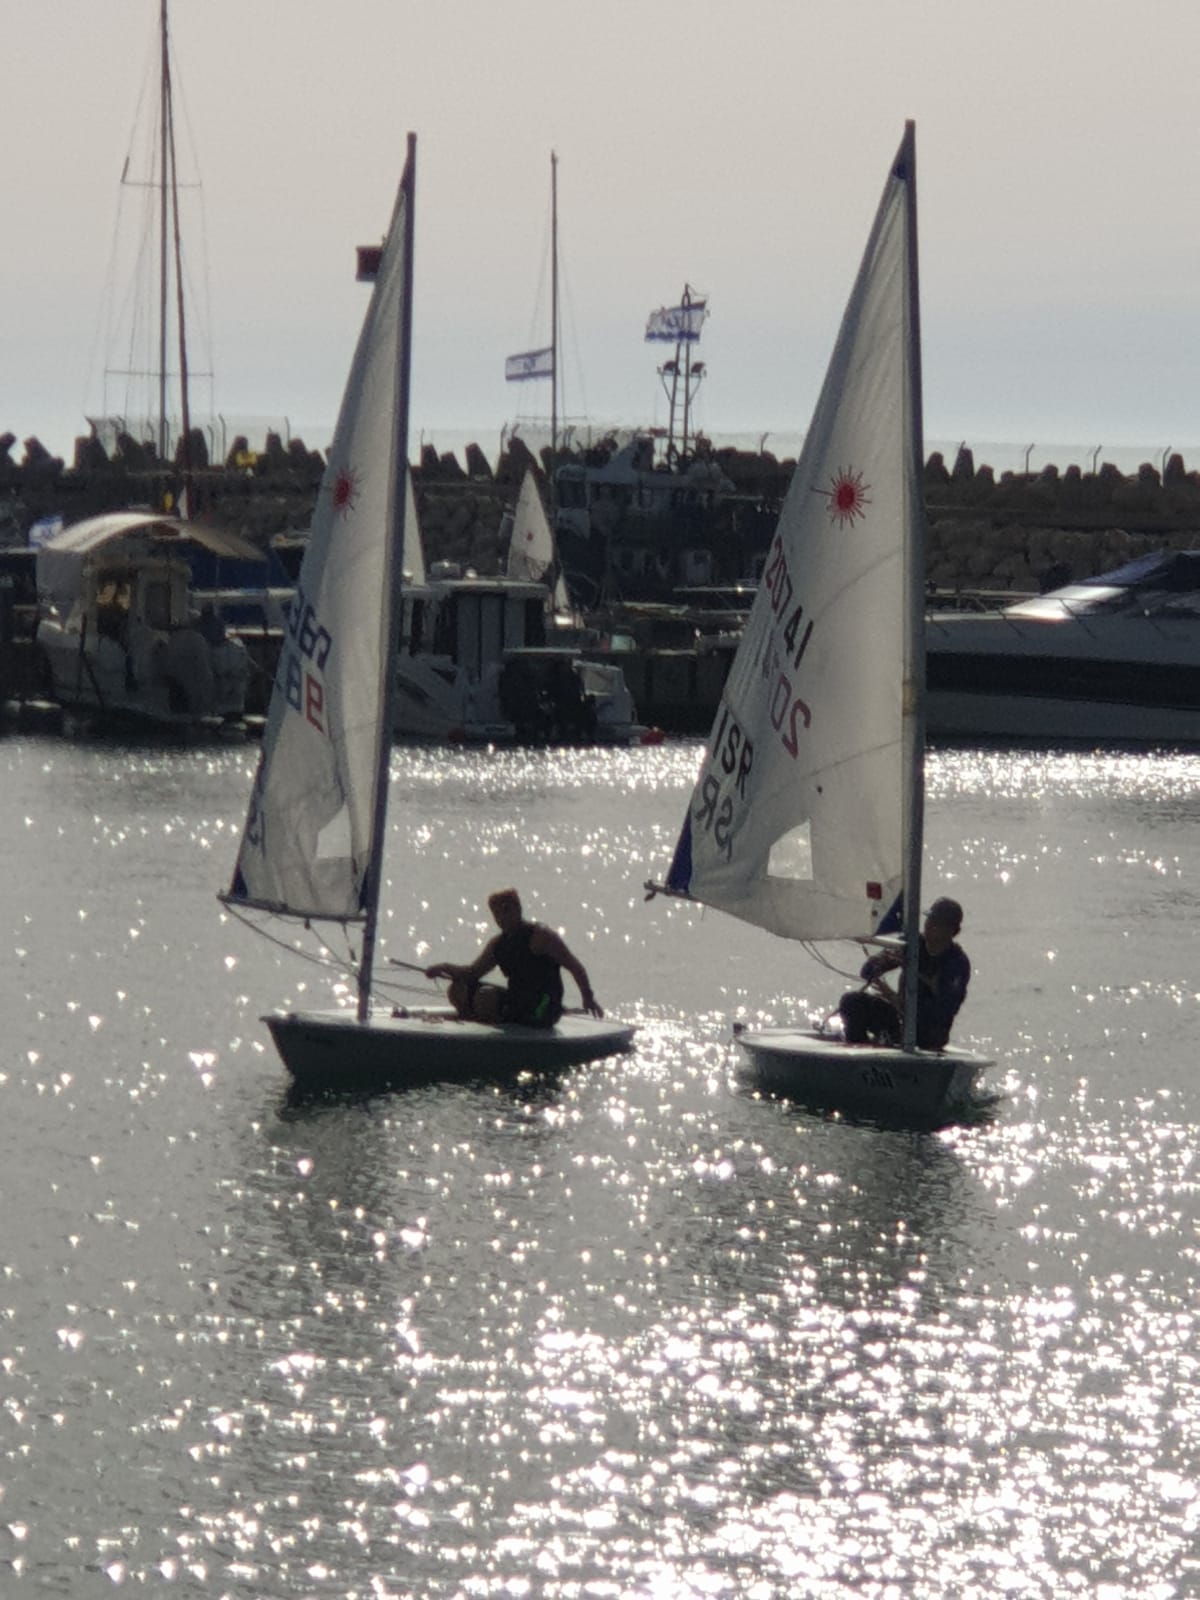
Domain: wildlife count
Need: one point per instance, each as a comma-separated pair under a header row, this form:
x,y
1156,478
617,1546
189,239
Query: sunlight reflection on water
x,y
633,1331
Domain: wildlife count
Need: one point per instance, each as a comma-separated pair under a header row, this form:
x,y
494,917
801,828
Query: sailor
x,y
210,627
943,972
531,957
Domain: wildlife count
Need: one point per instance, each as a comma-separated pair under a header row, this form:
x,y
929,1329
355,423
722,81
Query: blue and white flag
x,y
529,364
675,323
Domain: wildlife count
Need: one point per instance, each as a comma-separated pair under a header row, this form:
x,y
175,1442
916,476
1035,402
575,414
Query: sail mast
x,y
392,598
164,100
913,728
553,324
180,316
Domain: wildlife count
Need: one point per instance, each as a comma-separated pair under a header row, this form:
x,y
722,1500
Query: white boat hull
x,y
332,1050
821,1070
437,700
197,683
1088,678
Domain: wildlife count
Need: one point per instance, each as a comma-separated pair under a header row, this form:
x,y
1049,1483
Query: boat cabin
x,y
635,527
472,622
120,628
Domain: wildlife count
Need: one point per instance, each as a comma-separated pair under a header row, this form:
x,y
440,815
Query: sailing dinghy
x,y
807,818
531,552
312,847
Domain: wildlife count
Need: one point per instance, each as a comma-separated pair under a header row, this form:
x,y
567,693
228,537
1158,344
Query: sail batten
x,y
799,819
310,838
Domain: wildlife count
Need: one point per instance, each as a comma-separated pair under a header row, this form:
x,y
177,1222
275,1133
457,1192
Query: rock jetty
x,y
1012,532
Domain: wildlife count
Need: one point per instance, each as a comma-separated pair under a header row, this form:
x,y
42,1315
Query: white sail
x,y
412,563
531,551
531,548
799,820
310,830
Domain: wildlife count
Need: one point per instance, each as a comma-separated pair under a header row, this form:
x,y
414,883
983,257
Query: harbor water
x,y
637,1331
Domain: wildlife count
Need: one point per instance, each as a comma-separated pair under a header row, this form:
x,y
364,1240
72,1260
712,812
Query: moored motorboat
x,y
477,664
120,633
1112,659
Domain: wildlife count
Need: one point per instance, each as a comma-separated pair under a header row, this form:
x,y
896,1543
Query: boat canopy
x,y
1177,570
61,559
1150,580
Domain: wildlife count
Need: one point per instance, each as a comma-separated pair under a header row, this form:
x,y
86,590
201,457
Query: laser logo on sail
x,y
847,497
345,490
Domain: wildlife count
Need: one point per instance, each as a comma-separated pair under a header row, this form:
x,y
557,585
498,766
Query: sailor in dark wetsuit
x,y
531,957
943,973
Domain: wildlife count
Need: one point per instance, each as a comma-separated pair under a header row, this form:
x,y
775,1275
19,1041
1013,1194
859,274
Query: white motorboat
x,y
1113,659
807,817
119,631
313,843
478,664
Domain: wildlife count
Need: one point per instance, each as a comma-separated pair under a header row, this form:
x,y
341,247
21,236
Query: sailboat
x,y
154,373
313,844
531,552
121,632
487,660
807,817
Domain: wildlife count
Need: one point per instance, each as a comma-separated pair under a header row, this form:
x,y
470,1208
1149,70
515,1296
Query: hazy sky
x,y
741,147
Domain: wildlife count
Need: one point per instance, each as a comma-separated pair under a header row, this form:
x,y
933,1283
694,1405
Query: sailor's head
x,y
505,906
945,914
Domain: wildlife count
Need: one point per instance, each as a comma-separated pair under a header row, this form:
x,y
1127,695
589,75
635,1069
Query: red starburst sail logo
x,y
847,496
345,490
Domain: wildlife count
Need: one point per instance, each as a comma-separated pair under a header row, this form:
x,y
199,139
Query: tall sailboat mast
x,y
913,725
164,138
399,490
553,325
171,252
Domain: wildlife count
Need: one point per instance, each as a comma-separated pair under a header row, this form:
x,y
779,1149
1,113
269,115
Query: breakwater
x,y
1008,531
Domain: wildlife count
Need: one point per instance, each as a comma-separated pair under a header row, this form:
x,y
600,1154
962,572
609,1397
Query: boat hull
x,y
1091,678
881,1080
205,685
332,1050
968,716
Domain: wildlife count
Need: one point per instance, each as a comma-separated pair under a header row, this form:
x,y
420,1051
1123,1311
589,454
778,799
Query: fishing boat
x,y
121,634
807,817
312,848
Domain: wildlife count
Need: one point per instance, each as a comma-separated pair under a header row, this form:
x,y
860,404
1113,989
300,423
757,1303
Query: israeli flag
x,y
529,364
673,324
